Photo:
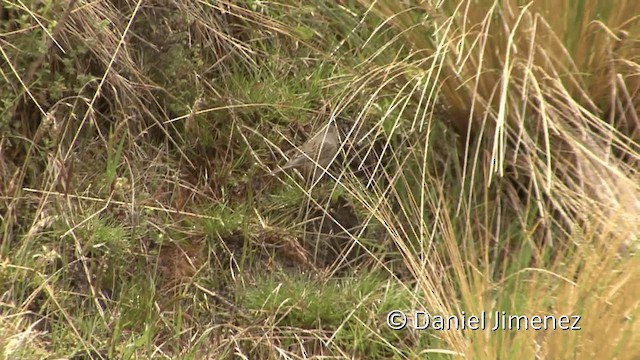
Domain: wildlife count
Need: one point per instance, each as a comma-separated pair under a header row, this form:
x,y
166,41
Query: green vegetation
x,y
492,166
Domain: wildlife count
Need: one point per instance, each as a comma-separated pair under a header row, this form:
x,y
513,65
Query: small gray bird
x,y
315,154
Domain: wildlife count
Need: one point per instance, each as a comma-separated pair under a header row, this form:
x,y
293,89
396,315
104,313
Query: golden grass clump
x,y
548,120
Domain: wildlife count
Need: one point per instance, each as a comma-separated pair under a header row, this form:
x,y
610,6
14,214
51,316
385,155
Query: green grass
x,y
351,309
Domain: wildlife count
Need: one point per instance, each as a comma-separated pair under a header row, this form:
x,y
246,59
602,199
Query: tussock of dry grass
x,y
536,122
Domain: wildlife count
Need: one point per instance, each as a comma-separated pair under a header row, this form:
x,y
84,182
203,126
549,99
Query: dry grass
x,y
541,119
